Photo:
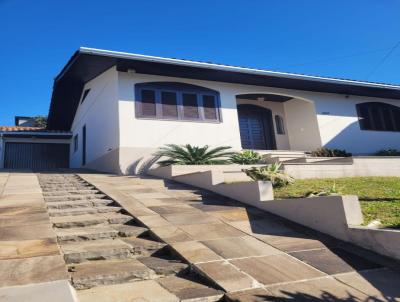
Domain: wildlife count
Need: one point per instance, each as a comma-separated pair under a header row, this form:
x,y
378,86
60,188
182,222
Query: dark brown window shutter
x,y
190,106
148,102
169,105
209,107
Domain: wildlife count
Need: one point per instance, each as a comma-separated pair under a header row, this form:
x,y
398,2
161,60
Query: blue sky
x,y
341,38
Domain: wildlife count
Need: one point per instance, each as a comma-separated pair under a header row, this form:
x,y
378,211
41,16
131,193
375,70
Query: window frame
x,y
368,106
179,89
279,125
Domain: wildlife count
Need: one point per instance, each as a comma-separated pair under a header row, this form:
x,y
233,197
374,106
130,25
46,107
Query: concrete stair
x,y
79,203
74,197
274,156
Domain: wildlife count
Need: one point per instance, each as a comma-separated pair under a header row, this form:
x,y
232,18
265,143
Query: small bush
x,y
326,152
193,155
271,173
247,157
388,152
331,191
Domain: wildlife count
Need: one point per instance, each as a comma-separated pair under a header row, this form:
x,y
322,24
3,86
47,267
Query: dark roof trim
x,y
35,135
88,63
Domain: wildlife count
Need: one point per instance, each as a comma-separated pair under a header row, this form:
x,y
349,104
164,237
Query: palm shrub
x,y
326,152
246,157
272,173
193,155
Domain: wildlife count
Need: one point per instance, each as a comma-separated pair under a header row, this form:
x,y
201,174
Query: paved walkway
x,y
251,255
31,265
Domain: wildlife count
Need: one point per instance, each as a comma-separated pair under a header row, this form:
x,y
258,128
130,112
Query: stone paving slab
x,y
170,234
153,221
141,291
276,269
383,284
239,214
14,210
195,252
174,209
59,291
210,231
324,289
26,232
27,219
240,247
334,261
252,295
292,242
32,270
190,218
226,276
188,291
28,248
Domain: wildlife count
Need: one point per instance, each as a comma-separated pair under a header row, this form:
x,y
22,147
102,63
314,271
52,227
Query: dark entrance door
x,y
256,128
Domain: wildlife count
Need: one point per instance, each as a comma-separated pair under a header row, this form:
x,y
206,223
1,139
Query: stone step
x,y
78,203
144,246
164,266
78,220
82,251
86,233
89,219
74,197
95,273
83,210
70,192
126,230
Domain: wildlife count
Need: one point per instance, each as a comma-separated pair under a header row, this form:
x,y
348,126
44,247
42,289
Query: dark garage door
x,y
36,156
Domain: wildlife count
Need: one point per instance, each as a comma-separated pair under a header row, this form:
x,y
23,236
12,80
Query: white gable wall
x,y
99,112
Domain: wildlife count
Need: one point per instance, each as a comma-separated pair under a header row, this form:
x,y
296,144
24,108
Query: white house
x,y
121,107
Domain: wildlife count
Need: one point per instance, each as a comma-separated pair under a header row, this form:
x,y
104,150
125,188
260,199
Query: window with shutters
x,y
378,116
280,127
177,101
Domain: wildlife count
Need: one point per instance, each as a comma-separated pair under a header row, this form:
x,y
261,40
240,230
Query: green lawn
x,y
379,196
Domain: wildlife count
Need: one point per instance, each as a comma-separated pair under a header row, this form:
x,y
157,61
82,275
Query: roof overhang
x,y
88,63
42,135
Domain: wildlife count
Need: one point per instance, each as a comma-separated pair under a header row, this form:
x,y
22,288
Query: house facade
x,y
121,107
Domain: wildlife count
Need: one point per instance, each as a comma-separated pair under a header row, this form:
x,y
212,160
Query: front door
x,y
256,128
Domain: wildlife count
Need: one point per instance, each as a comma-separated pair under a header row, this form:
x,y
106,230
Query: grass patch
x,y
379,196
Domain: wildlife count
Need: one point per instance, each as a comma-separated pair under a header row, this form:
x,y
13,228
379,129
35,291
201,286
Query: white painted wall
x,y
339,127
312,120
302,127
99,112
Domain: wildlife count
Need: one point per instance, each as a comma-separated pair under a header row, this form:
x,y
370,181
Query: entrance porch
x,y
277,122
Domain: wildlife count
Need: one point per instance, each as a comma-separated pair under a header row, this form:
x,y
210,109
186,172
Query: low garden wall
x,y
338,216
355,166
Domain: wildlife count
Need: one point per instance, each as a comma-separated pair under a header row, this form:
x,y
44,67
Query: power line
x,y
389,53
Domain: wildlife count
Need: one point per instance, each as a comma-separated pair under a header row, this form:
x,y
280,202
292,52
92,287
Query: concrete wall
x,y
312,120
99,112
356,166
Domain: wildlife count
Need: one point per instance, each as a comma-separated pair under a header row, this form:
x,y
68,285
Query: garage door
x,y
36,156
